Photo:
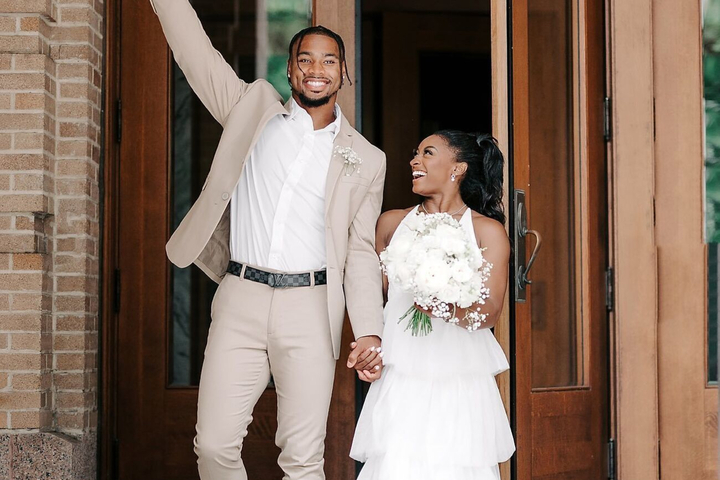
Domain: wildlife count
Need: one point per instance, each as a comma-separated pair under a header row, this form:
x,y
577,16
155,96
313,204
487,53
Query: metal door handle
x,y
524,280
521,232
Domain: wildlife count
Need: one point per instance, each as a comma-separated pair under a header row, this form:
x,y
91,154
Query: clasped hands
x,y
366,358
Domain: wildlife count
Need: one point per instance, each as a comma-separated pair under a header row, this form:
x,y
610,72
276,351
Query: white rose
x,y
416,255
391,270
432,276
401,246
450,294
435,254
444,231
404,276
454,245
461,271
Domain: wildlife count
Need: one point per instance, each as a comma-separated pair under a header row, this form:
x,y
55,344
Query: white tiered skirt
x,y
436,413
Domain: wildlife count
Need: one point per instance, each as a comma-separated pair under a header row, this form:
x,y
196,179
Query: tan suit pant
x,y
257,330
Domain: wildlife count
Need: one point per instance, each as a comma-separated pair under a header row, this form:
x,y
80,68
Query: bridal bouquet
x,y
442,267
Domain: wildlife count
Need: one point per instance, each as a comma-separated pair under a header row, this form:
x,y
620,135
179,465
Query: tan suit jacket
x,y
352,203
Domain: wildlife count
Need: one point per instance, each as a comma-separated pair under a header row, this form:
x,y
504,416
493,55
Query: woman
x,y
435,412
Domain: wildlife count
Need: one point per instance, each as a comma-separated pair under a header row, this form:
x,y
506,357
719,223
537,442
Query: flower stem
x,y
419,324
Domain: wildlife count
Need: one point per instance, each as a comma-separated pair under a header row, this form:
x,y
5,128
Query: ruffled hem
x,y
406,468
457,420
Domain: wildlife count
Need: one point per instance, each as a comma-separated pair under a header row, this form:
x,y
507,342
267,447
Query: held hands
x,y
366,358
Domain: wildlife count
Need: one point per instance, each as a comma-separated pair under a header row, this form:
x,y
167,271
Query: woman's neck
x,y
444,204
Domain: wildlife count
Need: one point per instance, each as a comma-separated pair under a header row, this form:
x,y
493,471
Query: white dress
x,y
436,412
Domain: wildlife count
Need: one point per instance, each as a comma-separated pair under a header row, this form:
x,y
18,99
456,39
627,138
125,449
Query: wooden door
x,y
559,172
165,143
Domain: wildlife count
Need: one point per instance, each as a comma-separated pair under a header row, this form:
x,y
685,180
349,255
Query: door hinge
x,y
610,289
118,120
654,118
607,124
611,459
116,292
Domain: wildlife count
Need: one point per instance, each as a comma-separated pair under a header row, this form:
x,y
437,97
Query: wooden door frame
x,y
687,405
500,63
634,258
107,455
517,127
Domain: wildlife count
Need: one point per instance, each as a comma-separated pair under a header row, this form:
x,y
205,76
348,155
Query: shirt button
x,y
225,195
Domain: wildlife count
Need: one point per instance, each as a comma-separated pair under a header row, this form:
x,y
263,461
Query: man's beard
x,y
313,102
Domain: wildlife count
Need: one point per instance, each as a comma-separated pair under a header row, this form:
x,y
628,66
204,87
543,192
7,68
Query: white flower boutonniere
x,y
352,160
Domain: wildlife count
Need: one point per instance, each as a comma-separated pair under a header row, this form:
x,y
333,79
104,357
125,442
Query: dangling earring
x,y
452,177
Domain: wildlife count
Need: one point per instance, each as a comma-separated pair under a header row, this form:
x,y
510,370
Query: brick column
x,y
50,104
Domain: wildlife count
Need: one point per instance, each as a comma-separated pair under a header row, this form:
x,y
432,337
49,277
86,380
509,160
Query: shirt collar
x,y
333,128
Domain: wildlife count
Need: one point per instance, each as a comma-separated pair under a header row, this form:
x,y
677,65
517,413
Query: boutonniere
x,y
351,158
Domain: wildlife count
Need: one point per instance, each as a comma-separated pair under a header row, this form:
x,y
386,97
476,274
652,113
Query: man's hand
x,y
366,358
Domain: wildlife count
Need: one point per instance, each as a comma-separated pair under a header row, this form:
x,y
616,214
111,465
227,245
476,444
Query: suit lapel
x,y
274,109
337,163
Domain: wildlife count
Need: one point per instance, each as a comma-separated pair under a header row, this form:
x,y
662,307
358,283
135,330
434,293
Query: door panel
x,y
558,161
556,324
168,140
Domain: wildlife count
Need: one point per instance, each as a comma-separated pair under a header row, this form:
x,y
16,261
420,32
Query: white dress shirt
x,y
277,212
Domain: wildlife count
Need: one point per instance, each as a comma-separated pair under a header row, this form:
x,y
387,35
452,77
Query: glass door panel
x,y
555,167
711,76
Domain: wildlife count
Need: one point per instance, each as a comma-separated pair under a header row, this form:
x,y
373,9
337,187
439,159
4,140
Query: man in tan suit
x,y
286,224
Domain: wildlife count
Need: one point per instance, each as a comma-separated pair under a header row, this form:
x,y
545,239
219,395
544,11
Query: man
x,y
285,223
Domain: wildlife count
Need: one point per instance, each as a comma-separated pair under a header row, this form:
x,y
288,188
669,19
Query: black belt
x,y
277,280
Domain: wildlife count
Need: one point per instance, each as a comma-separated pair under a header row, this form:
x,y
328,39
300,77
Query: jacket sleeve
x,y
212,79
363,278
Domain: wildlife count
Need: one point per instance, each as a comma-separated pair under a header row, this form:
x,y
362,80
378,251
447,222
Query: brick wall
x,y
50,109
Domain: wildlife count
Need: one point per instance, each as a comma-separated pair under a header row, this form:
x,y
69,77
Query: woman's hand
x,y
370,375
424,310
366,357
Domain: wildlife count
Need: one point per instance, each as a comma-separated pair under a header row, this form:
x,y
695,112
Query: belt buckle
x,y
275,280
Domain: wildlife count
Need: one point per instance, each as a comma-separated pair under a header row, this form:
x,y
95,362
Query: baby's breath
x,y
352,160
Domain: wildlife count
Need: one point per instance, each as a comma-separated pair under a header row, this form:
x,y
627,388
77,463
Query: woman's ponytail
x,y
481,188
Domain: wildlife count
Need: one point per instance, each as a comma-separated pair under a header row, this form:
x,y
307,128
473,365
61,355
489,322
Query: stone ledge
x,y
42,7
47,455
33,203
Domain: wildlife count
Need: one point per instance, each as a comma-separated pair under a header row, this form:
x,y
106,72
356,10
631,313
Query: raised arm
x,y
211,78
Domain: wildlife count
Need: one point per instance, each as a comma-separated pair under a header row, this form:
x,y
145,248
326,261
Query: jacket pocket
x,y
355,179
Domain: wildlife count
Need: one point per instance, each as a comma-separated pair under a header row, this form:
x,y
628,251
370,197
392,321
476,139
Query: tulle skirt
x,y
436,413
412,469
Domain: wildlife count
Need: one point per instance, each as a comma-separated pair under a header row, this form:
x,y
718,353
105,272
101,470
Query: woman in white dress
x,y
434,411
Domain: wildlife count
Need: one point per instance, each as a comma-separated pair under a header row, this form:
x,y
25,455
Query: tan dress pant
x,y
257,330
